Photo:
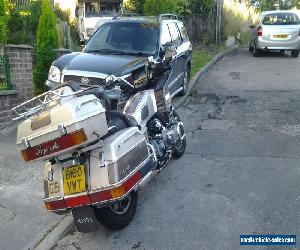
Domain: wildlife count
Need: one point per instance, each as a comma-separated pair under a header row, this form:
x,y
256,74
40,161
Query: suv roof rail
x,y
166,16
125,15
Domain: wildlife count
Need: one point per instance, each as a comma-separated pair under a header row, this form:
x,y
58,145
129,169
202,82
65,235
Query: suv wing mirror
x,y
169,51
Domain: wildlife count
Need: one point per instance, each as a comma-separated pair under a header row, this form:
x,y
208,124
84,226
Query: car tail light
x,y
259,31
47,148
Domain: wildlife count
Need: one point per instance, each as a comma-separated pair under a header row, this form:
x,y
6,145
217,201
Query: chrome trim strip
x,y
176,92
68,72
172,83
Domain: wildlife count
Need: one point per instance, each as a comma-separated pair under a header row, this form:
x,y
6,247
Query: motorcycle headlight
x,y
54,74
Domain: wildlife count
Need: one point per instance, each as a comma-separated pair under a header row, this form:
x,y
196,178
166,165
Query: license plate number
x,y
280,36
74,179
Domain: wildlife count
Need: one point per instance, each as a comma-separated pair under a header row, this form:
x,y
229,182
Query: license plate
x,y
74,179
280,36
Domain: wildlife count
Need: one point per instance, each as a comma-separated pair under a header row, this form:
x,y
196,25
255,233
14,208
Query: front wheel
x,y
179,148
295,53
118,215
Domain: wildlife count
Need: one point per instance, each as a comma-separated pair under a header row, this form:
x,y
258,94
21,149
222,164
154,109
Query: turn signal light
x,y
117,192
50,147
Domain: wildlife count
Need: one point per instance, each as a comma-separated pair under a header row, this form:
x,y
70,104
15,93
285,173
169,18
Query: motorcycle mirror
x,y
110,79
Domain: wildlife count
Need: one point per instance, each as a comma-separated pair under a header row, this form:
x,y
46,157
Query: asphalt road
x,y
240,173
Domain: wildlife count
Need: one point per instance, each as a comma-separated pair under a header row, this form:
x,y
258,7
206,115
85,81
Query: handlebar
x,y
113,81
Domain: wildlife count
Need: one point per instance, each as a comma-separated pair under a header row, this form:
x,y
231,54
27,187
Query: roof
x,y
277,11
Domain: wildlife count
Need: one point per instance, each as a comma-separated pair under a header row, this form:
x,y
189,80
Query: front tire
x,y
179,149
119,215
295,53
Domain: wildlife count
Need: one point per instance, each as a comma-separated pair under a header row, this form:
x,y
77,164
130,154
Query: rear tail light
x,y
50,147
259,31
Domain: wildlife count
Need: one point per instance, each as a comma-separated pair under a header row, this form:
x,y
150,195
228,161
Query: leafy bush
x,y
72,36
136,6
3,22
156,7
22,25
237,17
47,40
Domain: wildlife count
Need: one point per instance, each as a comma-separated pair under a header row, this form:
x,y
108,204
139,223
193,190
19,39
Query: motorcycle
x,y
97,157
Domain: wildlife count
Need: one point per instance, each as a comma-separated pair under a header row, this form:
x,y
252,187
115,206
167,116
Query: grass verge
x,y
202,54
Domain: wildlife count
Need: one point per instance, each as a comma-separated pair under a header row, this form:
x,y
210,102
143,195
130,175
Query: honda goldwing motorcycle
x,y
97,157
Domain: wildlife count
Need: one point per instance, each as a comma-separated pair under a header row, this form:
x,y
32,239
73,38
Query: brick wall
x,y
20,59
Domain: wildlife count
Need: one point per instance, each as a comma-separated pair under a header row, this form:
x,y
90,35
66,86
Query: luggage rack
x,y
38,104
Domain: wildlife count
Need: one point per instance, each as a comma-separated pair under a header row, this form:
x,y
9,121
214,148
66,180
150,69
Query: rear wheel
x,y
119,215
295,53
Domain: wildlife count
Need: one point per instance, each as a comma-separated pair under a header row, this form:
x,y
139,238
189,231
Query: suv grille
x,y
78,79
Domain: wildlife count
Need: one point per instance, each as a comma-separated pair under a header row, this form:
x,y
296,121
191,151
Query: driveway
x,y
240,173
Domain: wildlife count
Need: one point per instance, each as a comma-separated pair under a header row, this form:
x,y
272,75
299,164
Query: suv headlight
x,y
54,74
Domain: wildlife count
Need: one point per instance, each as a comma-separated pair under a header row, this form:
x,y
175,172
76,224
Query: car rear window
x,y
281,19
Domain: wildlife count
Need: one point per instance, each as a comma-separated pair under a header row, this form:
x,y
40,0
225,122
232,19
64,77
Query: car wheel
x,y
256,52
118,215
185,81
295,53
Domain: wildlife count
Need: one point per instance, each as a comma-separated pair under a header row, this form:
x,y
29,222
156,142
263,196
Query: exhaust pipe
x,y
146,180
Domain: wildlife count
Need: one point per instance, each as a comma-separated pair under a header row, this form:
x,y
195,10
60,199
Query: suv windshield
x,y
281,19
125,38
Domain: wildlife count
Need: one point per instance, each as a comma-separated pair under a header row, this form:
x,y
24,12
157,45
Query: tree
x,y
203,6
264,5
136,6
156,7
47,40
3,22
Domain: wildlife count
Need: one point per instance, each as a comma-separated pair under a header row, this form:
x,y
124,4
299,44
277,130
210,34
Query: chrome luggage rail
x,y
38,104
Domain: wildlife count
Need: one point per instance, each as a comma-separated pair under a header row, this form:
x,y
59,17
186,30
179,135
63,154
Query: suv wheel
x,y
185,82
295,53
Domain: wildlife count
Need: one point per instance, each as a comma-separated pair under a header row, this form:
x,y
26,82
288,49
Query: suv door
x,y
165,38
185,49
177,65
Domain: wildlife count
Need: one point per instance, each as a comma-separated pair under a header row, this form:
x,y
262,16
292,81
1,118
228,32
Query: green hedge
x,y
47,40
3,22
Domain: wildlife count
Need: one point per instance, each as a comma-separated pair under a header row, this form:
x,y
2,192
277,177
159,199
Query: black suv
x,y
123,46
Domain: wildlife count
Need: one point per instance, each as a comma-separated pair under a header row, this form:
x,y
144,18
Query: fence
x,y
5,81
21,4
201,28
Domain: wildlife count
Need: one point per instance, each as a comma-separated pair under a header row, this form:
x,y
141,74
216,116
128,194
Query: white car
x,y
277,30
